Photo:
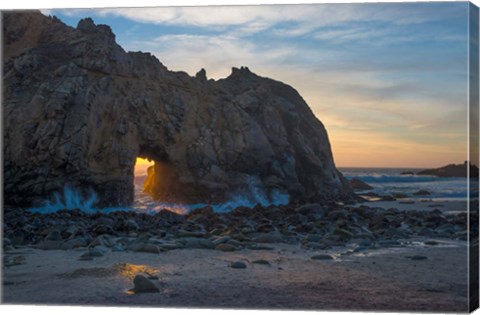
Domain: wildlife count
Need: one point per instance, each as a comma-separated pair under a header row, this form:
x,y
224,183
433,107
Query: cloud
x,y
387,80
217,54
302,18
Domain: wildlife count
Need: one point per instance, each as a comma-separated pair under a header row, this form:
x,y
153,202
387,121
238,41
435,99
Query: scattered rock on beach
x,y
132,225
144,285
170,216
268,238
259,247
221,240
93,253
193,242
225,247
312,209
322,257
49,245
74,243
149,248
54,235
7,244
261,262
418,257
238,265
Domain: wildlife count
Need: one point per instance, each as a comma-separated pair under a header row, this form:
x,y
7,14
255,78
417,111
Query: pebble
x,y
132,224
54,236
225,247
49,245
268,238
261,262
144,247
193,242
260,247
7,244
105,221
238,265
93,253
418,257
322,257
221,240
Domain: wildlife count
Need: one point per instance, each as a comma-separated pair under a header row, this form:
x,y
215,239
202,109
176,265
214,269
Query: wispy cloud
x,y
387,80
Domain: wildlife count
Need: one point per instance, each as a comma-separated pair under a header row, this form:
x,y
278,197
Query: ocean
x,y
385,181
388,181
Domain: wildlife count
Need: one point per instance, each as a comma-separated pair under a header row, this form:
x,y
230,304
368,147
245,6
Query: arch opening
x,y
156,182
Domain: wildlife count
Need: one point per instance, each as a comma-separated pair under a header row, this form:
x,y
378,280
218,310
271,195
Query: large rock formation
x,y
78,110
453,170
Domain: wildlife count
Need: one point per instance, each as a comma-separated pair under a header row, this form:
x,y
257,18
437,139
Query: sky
x,y
388,80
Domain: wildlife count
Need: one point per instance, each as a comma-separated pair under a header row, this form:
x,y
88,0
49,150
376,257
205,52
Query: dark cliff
x,y
78,110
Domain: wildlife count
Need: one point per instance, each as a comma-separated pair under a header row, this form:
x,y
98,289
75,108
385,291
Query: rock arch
x,y
78,109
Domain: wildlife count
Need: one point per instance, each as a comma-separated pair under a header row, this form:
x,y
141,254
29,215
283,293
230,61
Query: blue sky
x,y
388,80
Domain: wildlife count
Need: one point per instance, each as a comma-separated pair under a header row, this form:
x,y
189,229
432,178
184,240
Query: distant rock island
x,y
452,170
79,110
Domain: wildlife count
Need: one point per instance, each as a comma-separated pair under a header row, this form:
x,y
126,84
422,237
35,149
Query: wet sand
x,y
377,280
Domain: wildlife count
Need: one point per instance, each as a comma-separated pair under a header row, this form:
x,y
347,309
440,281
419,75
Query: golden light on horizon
x,y
141,166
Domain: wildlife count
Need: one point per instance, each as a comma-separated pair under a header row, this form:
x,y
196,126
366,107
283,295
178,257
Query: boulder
x,y
144,285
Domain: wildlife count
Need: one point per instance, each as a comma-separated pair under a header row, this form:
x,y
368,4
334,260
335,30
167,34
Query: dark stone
x,y
358,184
418,257
322,257
225,247
261,262
238,265
144,285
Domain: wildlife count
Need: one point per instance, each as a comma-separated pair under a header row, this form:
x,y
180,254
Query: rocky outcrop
x,y
358,184
78,110
453,170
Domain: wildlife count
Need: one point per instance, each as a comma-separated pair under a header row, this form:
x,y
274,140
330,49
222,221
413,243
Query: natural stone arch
x,y
78,110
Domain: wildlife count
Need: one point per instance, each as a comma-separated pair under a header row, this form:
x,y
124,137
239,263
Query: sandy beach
x,y
379,280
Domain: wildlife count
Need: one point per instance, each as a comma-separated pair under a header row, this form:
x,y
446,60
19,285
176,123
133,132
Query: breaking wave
x,y
250,196
69,199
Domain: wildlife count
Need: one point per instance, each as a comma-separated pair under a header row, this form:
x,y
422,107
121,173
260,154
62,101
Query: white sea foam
x,y
250,196
69,199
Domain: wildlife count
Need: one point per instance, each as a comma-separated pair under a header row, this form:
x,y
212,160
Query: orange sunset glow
x,y
141,166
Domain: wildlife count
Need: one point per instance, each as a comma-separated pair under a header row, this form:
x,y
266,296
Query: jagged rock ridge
x,y
78,110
